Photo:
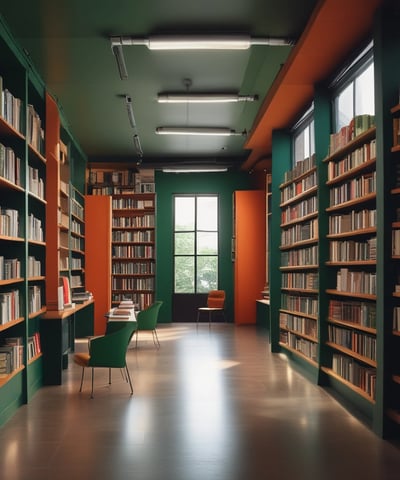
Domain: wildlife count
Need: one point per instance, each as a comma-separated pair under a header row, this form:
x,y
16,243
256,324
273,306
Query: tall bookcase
x,y
298,316
22,226
133,231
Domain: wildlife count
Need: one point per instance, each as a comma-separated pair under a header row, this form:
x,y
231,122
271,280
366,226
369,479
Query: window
x,y
195,243
354,93
303,137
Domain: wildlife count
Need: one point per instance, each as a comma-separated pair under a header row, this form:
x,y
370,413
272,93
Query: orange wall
x,y
98,256
250,254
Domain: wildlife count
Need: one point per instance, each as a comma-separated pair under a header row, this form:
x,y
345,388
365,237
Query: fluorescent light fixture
x,y
136,141
198,42
214,131
195,170
119,57
204,98
129,107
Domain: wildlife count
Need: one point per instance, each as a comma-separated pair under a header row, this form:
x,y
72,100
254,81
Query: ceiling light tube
x,y
129,107
194,170
204,98
199,42
214,131
119,57
136,141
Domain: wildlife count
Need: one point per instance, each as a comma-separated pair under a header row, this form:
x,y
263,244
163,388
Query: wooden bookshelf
x,y
298,313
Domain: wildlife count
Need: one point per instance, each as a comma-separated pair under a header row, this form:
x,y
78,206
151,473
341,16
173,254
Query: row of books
x,y
300,168
9,306
301,256
34,298
358,125
356,281
300,303
123,189
133,283
77,210
9,268
11,108
300,344
133,236
126,310
10,165
360,313
354,159
33,346
133,251
82,297
395,242
35,183
351,250
302,281
9,222
11,355
299,233
358,342
35,229
361,376
133,268
305,326
131,203
356,188
146,221
292,190
76,227
142,299
353,220
34,130
306,207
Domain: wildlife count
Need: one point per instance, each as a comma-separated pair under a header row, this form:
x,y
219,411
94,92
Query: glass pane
x,y
344,107
207,243
207,213
207,274
299,147
184,213
184,243
312,139
365,92
184,274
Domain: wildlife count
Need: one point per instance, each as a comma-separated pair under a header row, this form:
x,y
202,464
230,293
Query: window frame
x,y
195,231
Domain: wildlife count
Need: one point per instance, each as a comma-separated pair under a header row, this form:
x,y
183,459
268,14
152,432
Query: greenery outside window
x,y
195,243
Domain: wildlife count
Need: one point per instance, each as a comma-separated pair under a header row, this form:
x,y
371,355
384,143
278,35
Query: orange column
x,y
250,252
98,228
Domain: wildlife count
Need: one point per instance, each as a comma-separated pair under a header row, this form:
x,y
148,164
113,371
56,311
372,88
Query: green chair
x,y
147,320
108,351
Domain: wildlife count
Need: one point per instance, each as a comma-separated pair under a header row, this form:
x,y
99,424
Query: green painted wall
x,y
168,184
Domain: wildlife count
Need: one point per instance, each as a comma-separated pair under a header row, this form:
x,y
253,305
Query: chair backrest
x,y
147,319
110,350
216,299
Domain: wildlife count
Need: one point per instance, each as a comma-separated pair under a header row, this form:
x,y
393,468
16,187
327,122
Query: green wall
x,y
168,184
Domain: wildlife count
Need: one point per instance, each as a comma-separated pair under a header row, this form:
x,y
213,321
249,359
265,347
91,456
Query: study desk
x,y
57,335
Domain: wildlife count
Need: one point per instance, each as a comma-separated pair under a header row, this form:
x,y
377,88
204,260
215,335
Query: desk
x,y
57,335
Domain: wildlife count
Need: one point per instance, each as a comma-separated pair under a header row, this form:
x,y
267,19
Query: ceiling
x,y
69,44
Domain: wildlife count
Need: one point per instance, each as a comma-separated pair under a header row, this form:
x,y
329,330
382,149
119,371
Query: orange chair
x,y
215,304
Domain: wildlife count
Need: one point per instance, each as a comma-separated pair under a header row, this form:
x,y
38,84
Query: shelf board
x,y
7,378
307,193
7,325
299,334
350,203
8,130
351,353
11,281
352,325
395,109
299,220
365,166
5,183
299,314
351,263
366,296
352,233
298,177
37,313
35,358
302,243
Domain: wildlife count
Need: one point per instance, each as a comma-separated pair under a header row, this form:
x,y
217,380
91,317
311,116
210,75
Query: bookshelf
x,y
133,231
352,259
298,314
22,227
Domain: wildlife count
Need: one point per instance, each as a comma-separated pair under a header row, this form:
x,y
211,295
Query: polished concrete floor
x,y
210,404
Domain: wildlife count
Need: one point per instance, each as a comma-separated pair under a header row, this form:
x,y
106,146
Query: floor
x,y
210,404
